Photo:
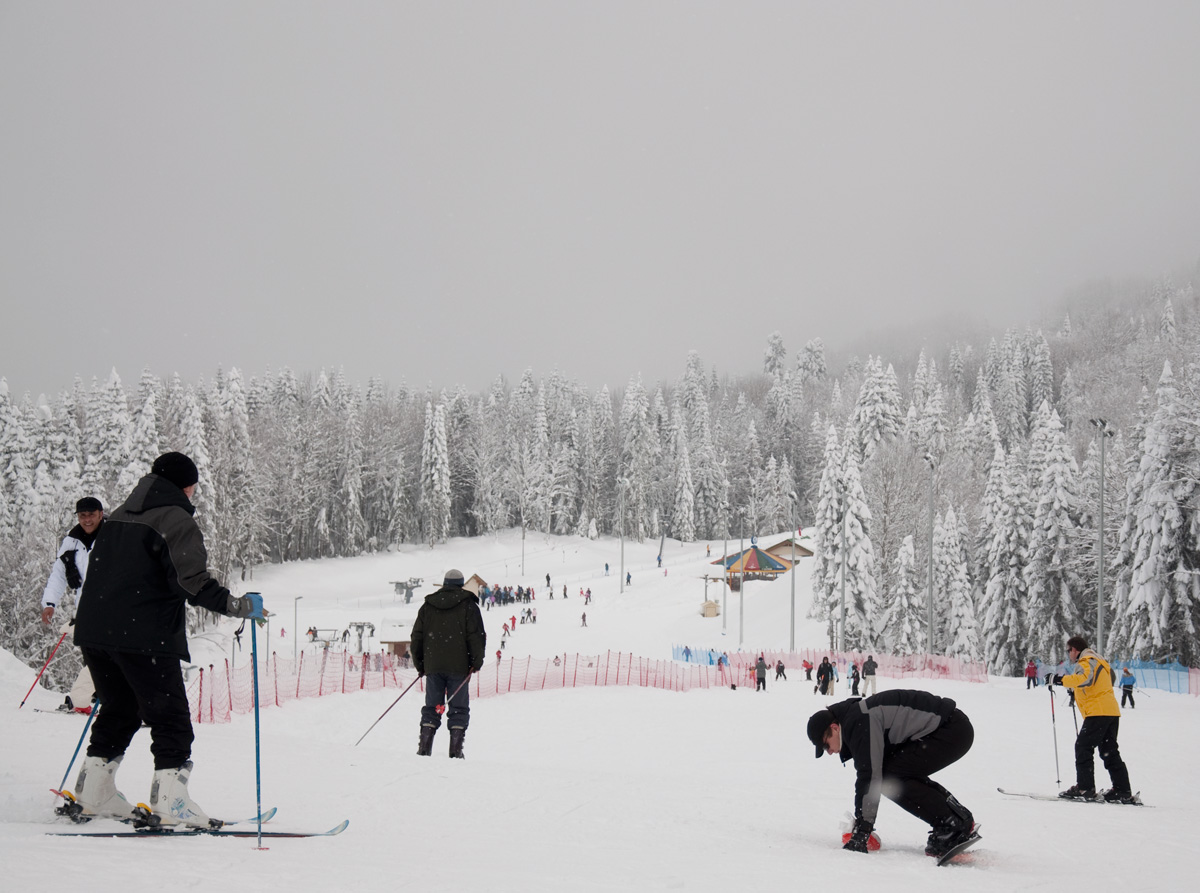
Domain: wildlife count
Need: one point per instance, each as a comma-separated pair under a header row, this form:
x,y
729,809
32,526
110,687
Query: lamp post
x,y
725,573
295,628
792,638
742,580
621,517
1105,432
929,634
841,644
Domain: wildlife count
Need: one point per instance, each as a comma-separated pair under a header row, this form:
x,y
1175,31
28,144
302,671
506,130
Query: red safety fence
x,y
911,666
218,692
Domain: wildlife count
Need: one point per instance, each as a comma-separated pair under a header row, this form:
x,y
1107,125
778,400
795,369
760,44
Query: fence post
x,y
200,699
229,687
299,673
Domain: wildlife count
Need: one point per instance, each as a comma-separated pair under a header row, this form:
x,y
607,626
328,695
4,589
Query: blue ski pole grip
x,y
256,605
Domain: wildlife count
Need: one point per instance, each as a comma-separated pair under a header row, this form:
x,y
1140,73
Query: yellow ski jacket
x,y
1093,686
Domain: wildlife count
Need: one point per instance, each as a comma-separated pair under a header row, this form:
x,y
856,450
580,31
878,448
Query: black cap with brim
x,y
818,724
88,504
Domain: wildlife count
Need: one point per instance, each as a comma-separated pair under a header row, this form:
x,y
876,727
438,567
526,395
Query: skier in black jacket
x,y
147,564
897,739
448,644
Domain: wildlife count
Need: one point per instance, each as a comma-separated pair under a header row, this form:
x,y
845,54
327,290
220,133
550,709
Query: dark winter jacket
x,y
824,671
876,727
147,564
760,669
869,667
448,635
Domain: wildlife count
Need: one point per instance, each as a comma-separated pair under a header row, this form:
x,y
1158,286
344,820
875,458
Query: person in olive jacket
x,y
147,564
448,645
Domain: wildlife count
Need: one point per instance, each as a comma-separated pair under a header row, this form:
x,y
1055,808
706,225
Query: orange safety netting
x,y
219,691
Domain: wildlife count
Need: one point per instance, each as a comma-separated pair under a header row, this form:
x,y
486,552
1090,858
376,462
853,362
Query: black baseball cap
x,y
818,725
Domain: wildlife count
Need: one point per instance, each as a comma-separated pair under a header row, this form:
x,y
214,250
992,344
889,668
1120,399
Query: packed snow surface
x,y
592,788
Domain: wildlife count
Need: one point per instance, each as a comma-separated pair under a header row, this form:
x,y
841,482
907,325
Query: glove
x,y
858,837
249,605
1058,680
1050,678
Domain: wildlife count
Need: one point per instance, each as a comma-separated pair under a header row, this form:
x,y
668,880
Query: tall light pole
x,y
1105,432
621,514
929,634
725,575
295,628
841,643
742,581
792,638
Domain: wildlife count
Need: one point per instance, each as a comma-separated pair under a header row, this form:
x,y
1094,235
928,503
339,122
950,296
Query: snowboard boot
x,y
456,743
170,801
949,831
96,791
1115,796
1075,792
425,745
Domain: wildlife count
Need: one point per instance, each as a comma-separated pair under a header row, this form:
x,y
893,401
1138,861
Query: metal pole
x,y
842,631
929,634
742,583
295,628
621,521
725,575
1102,426
792,639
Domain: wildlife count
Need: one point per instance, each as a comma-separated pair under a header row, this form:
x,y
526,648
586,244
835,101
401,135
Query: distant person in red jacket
x,y
1031,675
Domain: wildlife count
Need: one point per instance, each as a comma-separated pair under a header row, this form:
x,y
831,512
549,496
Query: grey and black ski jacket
x,y
874,728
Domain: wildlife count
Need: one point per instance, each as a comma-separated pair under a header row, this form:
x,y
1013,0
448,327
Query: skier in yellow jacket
x,y
1092,683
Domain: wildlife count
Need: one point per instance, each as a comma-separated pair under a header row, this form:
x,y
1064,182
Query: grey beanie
x,y
454,579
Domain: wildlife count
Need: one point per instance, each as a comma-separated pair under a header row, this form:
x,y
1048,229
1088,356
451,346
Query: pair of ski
x,y
146,824
1136,800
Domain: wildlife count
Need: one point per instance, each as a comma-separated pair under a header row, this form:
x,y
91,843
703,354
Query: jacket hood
x,y
446,599
154,492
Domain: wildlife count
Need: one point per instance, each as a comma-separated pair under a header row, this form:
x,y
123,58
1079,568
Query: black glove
x,y
1058,680
858,837
74,581
1049,678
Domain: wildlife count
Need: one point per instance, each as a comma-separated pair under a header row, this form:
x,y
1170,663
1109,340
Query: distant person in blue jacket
x,y
1127,683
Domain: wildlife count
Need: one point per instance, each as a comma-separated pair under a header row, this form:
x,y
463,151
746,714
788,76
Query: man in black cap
x,y
448,642
897,739
148,563
68,574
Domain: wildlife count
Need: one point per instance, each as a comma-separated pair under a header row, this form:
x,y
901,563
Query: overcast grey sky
x,y
444,192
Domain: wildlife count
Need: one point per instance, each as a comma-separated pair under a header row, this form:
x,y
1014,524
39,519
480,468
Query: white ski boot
x,y
96,790
169,799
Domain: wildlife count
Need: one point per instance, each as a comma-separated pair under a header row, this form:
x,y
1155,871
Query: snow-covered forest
x,y
991,450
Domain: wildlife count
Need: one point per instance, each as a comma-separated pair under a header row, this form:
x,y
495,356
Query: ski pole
x,y
385,712
43,670
1054,726
1074,715
257,735
87,725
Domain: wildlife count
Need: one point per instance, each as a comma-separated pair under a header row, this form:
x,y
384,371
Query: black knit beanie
x,y
176,468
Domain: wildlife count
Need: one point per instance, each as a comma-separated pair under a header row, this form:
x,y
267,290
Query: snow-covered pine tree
x,y
1005,592
951,580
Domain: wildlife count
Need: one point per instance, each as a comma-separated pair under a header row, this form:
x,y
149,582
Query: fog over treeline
x,y
304,464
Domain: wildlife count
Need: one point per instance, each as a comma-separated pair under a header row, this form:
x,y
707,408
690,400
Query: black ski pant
x,y
134,688
761,683
1100,732
437,687
1127,695
906,780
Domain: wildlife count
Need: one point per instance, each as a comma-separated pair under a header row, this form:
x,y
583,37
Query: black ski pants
x,y
1100,733
437,687
134,688
906,780
1127,695
761,683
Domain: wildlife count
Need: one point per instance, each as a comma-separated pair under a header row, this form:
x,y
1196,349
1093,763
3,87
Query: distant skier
x,y
1127,682
1031,674
760,674
448,642
584,619
854,677
779,674
808,668
824,677
868,675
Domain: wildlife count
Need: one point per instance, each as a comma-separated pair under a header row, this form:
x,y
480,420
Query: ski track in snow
x,y
593,789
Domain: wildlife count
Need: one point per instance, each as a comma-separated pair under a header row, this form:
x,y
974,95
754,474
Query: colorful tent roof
x,y
753,561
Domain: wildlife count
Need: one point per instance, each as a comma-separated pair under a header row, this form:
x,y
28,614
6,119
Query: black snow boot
x,y
456,743
951,830
425,745
1075,792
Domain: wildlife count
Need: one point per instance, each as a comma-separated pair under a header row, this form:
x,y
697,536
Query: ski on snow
x,y
186,831
1099,798
143,819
